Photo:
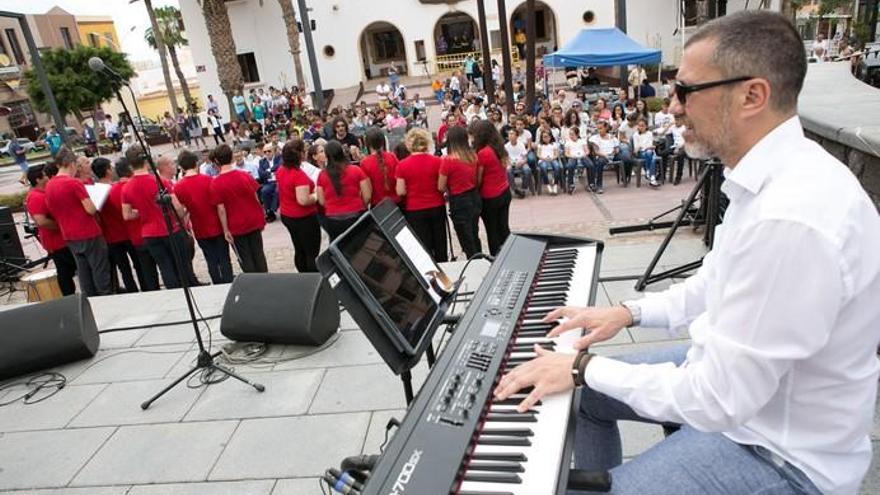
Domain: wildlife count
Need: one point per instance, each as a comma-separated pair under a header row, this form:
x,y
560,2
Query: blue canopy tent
x,y
602,48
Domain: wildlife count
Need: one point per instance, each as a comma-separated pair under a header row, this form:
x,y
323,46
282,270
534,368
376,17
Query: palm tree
x,y
288,15
223,47
160,47
168,19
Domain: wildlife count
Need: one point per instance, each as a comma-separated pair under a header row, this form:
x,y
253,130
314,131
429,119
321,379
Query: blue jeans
x,y
438,95
269,196
573,165
522,170
650,165
599,163
687,462
550,165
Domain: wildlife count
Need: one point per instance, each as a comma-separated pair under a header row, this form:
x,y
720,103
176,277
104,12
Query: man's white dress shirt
x,y
784,317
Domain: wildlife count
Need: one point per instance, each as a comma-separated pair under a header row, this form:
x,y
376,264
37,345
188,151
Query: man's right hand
x,y
228,236
601,323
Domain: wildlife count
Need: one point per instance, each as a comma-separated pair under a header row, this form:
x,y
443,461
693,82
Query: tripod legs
x,y
648,276
205,361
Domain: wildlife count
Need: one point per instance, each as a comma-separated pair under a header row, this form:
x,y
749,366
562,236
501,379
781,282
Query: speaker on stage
x,y
11,254
280,308
43,335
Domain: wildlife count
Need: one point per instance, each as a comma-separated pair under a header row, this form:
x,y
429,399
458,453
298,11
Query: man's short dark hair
x,y
136,156
758,43
101,166
34,174
187,160
65,157
222,155
123,169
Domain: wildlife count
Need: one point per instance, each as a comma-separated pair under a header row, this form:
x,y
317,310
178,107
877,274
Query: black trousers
x,y
92,265
250,252
161,250
335,226
464,210
306,236
430,227
495,214
120,253
216,251
145,267
65,266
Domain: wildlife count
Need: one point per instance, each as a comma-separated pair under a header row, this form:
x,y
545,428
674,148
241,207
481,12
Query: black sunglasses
x,y
682,89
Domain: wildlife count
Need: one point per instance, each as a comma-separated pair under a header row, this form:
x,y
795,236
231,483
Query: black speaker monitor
x,y
280,308
11,254
39,336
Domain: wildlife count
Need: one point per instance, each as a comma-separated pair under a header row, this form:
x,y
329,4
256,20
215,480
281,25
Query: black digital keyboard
x,y
455,439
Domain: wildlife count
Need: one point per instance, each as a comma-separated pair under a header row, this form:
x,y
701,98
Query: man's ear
x,y
755,96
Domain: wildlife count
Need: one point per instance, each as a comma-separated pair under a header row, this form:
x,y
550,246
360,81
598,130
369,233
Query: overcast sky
x,y
130,19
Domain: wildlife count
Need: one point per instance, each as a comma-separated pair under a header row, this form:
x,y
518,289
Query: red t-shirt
x,y
132,227
112,223
64,196
494,174
194,192
237,191
382,188
420,171
140,192
461,176
288,179
350,201
51,239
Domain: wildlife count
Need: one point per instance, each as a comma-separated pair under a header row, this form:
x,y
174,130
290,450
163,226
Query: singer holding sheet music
x,y
70,205
776,391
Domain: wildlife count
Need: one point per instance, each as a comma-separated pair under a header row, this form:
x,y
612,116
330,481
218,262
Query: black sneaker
x,y
519,193
270,216
571,189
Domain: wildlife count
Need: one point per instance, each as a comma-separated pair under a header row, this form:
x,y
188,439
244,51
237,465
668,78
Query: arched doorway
x,y
545,27
456,33
382,47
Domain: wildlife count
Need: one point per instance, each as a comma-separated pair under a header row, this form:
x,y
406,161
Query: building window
x,y
3,48
17,52
540,25
248,65
65,36
94,41
110,40
388,45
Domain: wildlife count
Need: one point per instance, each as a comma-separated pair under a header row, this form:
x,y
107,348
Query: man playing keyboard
x,y
776,391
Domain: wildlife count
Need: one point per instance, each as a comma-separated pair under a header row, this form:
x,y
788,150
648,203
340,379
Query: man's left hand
x,y
549,373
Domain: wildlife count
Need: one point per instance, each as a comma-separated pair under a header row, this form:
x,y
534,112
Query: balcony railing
x,y
450,63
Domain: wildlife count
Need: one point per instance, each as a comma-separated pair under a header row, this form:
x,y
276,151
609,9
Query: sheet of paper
x,y
419,256
98,193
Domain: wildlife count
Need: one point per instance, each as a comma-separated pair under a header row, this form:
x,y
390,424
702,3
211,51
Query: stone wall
x,y
843,115
865,166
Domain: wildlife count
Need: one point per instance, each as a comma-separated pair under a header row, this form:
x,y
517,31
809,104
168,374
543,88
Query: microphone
x,y
98,65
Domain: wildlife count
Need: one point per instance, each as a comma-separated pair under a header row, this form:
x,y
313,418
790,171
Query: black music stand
x,y
366,297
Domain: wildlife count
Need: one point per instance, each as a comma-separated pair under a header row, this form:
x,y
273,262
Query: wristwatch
x,y
635,311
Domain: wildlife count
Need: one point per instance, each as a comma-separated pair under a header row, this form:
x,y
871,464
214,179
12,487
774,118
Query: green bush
x,y
13,201
654,103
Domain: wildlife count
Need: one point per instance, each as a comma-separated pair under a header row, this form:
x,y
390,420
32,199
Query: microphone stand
x,y
204,361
